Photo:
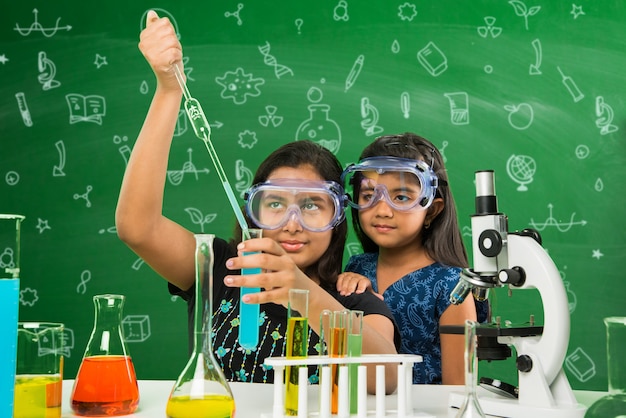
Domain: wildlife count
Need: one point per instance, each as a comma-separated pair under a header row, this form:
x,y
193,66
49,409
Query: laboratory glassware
x,y
9,302
614,404
355,347
470,407
334,330
201,389
106,384
249,312
297,345
39,370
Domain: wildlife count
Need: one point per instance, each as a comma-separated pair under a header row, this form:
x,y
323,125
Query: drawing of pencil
x,y
355,71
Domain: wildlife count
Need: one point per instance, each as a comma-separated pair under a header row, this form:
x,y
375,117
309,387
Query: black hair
x,y
306,152
442,240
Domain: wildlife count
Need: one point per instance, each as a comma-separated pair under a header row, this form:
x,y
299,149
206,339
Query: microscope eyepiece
x,y
486,201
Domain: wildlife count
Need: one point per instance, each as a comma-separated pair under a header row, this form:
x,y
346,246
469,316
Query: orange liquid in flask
x,y
105,386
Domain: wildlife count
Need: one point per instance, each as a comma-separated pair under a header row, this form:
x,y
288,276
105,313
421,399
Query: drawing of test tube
x,y
459,108
23,106
297,346
571,86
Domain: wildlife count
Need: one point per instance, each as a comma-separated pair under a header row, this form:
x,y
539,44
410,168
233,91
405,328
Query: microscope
x,y
517,260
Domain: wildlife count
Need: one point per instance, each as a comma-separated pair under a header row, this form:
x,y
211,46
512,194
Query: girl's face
x,y
388,227
304,247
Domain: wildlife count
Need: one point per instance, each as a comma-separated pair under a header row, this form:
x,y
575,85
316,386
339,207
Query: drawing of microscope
x,y
518,260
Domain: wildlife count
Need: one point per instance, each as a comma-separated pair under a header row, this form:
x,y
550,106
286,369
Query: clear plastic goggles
x,y
403,183
317,205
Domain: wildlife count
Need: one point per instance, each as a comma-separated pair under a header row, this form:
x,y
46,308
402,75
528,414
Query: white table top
x,y
254,400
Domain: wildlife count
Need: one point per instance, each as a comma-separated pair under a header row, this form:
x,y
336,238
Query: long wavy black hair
x,y
443,239
293,155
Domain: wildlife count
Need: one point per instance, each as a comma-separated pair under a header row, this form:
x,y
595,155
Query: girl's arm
x,y
281,274
166,246
452,345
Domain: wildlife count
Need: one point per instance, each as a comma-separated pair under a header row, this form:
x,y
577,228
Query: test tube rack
x,y
404,407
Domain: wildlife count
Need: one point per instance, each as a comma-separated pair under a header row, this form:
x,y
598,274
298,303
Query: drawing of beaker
x,y
319,127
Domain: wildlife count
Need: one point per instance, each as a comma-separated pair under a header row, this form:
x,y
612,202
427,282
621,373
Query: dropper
x,y
203,131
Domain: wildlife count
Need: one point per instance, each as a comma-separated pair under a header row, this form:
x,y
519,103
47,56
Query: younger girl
x,y
404,215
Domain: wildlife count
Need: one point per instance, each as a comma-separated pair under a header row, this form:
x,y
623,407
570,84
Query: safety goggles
x,y
403,183
317,205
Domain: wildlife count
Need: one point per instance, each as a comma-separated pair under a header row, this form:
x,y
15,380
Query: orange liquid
x,y
105,386
338,347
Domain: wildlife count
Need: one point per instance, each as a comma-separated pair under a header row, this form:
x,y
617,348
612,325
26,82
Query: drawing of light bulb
x,y
319,127
521,169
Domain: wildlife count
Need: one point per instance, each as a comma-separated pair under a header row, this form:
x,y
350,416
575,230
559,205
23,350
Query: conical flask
x,y
613,405
106,384
471,407
201,390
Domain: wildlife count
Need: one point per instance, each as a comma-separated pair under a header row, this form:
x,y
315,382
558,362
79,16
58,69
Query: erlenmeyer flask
x,y
471,407
614,404
201,390
106,384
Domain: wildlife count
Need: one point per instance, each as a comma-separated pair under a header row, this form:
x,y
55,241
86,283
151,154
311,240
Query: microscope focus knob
x,y
524,363
490,243
514,276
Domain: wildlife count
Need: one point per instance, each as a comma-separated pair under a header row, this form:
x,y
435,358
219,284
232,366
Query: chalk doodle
x,y
84,196
268,59
37,27
552,222
238,85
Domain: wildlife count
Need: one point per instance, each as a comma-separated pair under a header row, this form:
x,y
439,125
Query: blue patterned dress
x,y
417,302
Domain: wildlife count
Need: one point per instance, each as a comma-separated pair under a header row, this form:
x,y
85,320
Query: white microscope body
x,y
519,260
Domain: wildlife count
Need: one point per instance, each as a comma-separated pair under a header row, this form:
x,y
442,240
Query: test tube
x,y
249,312
297,345
355,345
338,348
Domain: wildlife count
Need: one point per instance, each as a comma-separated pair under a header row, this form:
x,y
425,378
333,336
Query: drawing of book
x,y
86,108
432,59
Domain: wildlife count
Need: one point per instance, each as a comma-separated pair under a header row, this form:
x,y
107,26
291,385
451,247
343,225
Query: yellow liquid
x,y
210,406
297,346
37,396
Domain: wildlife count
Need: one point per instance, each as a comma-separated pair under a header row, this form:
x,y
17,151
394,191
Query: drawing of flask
x,y
471,407
319,127
106,384
201,389
614,404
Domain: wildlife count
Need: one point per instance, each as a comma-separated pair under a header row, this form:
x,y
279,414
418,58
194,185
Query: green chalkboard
x,y
533,89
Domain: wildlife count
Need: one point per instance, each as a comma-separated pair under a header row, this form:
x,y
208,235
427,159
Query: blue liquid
x,y
249,315
9,297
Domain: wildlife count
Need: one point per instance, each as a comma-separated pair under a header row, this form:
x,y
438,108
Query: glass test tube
x,y
297,345
355,345
338,348
249,312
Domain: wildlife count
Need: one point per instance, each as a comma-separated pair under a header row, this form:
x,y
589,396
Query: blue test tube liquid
x,y
9,299
249,312
249,315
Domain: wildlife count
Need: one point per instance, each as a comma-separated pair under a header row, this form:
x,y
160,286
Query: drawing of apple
x,y
520,116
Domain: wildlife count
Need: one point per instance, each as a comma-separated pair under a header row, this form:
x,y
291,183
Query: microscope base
x,y
498,406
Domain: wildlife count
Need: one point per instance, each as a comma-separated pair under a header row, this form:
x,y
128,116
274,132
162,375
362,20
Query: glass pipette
x,y
202,130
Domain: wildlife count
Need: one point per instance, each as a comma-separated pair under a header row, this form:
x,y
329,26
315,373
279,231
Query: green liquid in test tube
x,y
297,345
249,312
355,346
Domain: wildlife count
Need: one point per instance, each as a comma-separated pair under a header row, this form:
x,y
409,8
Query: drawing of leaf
x,y
519,7
209,218
534,10
195,215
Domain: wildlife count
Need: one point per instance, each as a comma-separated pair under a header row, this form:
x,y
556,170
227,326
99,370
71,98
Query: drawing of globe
x,y
521,169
